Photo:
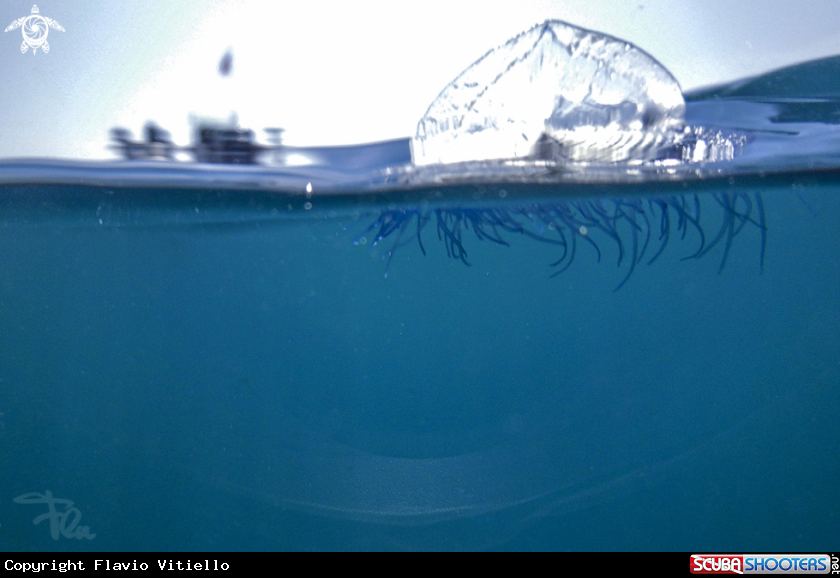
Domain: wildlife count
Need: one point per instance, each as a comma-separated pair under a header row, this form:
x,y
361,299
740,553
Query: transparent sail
x,y
555,92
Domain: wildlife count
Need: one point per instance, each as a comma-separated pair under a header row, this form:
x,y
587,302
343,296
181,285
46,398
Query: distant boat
x,y
157,146
213,142
224,142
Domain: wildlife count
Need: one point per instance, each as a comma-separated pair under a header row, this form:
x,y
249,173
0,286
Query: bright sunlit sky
x,y
338,72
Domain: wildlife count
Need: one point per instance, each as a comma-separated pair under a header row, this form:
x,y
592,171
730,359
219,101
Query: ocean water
x,y
208,358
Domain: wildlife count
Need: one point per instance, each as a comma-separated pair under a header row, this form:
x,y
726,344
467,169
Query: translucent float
x,y
555,92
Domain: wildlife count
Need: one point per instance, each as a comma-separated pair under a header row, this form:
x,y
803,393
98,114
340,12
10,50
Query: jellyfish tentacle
x,y
631,223
664,226
639,210
762,225
576,226
603,222
727,228
633,261
571,251
451,235
686,219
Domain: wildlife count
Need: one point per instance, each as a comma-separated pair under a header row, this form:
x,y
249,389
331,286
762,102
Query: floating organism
x,y
555,91
562,98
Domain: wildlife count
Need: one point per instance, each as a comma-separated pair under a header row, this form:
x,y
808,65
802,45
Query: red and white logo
x,y
760,564
717,564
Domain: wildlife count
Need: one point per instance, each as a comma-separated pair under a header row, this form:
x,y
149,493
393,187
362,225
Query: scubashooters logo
x,y
760,564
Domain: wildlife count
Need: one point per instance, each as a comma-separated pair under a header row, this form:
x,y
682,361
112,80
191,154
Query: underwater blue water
x,y
227,368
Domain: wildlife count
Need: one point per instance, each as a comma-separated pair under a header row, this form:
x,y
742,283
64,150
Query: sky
x,y
338,72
